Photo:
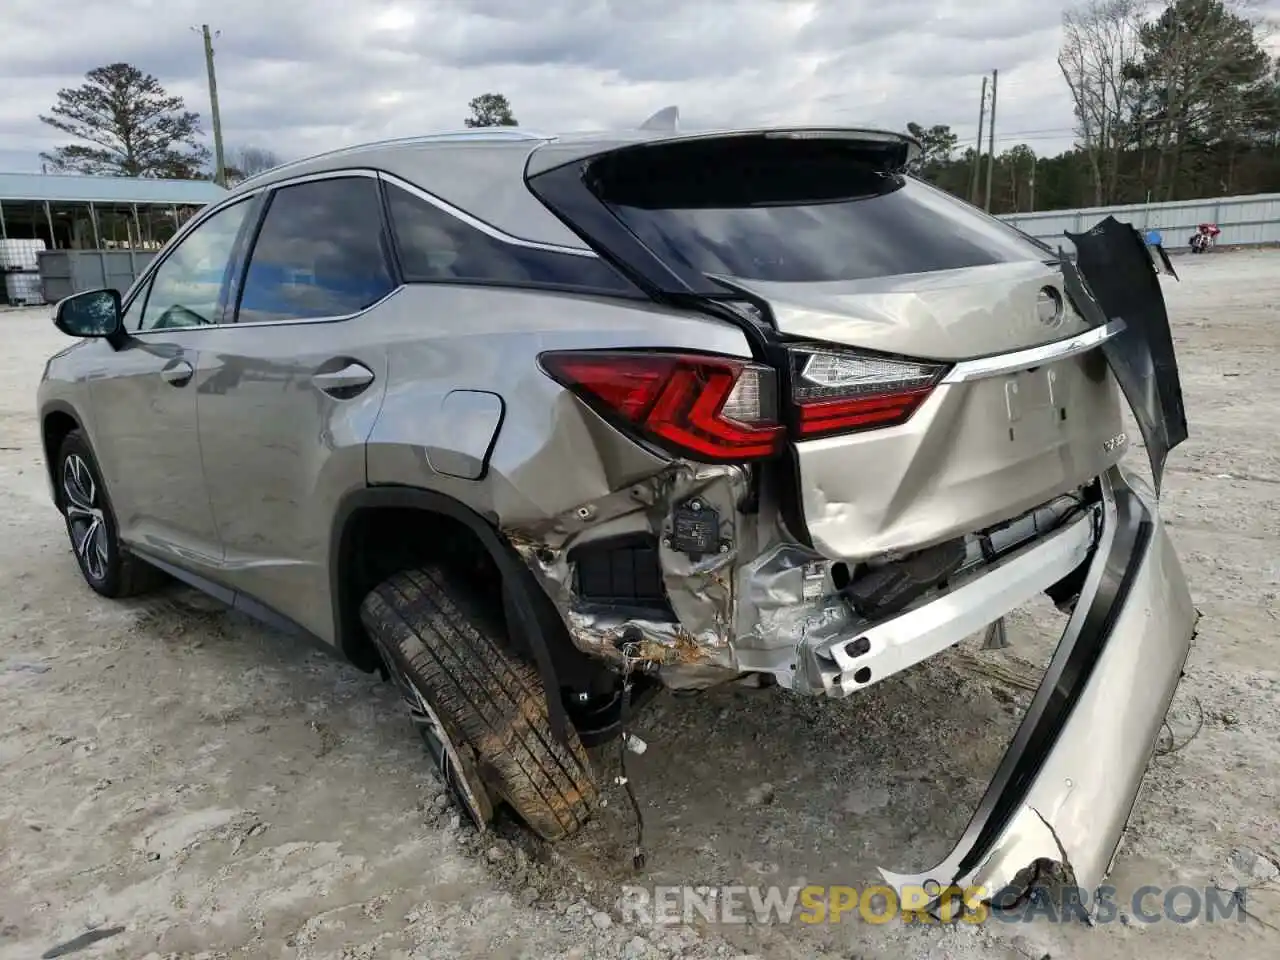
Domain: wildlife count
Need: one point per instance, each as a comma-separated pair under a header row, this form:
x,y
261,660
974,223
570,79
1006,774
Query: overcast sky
x,y
300,76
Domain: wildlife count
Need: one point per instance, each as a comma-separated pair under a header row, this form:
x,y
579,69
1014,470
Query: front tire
x,y
91,525
482,712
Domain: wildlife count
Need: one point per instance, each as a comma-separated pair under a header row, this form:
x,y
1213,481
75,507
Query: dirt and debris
x,y
76,944
203,787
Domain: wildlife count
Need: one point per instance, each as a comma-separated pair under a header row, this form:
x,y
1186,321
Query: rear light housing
x,y
837,391
711,409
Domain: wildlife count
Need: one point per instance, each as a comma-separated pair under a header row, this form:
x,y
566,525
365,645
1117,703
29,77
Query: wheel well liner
x,y
56,423
520,593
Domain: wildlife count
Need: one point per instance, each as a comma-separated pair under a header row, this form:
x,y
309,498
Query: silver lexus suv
x,y
538,425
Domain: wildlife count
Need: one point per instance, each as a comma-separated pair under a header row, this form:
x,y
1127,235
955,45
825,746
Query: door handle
x,y
177,373
344,383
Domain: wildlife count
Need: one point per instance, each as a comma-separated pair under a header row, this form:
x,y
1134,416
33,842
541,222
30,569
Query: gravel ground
x,y
182,782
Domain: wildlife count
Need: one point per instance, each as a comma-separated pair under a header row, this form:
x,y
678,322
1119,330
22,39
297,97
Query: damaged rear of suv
x,y
927,435
749,403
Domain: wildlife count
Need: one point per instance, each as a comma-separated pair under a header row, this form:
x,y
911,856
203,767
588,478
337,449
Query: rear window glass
x,y
797,211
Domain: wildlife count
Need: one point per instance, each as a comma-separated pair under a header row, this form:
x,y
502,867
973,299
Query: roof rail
x,y
483,133
500,134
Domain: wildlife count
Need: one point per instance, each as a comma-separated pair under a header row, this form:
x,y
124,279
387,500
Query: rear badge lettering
x,y
1118,440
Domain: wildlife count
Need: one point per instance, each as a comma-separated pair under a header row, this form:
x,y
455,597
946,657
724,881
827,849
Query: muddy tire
x,y
448,656
82,498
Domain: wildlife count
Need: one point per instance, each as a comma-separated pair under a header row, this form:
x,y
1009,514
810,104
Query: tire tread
x,y
453,649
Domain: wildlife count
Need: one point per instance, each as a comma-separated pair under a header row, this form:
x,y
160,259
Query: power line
x,y
1054,133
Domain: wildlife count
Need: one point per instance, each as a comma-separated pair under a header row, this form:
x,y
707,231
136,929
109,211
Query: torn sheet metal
x,y
746,598
785,600
696,650
1064,790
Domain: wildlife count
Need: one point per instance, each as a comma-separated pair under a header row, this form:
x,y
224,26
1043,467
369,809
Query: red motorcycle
x,y
1205,237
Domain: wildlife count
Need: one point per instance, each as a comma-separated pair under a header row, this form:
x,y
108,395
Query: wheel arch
x,y
57,420
529,611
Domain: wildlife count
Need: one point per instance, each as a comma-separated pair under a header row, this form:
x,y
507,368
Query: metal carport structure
x,y
83,212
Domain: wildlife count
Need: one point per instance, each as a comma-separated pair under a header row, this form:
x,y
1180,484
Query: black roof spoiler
x,y
584,148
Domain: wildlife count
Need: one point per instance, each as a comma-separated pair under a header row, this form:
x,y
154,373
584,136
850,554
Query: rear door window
x,y
434,245
798,211
319,253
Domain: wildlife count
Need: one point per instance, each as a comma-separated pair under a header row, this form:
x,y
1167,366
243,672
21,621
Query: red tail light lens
x,y
712,409
842,391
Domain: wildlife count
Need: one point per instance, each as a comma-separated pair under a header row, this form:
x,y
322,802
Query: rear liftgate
x,y
1064,791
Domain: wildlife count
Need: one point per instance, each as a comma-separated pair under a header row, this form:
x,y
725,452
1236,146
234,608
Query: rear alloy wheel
x,y
456,767
91,526
481,712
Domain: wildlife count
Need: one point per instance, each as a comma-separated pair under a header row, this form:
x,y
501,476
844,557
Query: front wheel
x,y
481,711
91,525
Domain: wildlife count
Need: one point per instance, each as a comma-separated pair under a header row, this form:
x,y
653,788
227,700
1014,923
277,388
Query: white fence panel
x,y
1254,219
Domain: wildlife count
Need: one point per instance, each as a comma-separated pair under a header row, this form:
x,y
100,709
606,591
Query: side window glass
x,y
186,286
434,245
319,253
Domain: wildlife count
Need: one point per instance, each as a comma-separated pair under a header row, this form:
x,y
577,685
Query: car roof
x,y
481,171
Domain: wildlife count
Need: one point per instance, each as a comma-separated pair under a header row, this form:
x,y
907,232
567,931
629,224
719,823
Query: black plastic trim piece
x,y
517,582
563,190
236,600
391,244
1121,281
630,564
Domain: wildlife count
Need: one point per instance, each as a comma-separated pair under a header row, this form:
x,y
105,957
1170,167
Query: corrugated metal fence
x,y
64,272
1254,219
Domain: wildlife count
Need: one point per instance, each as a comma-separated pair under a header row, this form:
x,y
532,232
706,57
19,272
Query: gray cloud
x,y
299,76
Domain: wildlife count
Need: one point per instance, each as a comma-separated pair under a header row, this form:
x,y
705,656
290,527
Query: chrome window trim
x,y
213,209
476,224
277,323
304,178
986,367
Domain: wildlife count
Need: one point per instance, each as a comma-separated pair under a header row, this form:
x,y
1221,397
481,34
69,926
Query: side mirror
x,y
94,313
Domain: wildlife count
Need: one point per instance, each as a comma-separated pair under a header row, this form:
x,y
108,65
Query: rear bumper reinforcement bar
x,y
858,659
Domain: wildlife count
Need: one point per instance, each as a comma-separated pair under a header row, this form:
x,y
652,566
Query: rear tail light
x,y
841,391
712,409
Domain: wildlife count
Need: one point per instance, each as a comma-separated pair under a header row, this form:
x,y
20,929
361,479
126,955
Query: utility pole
x,y
220,170
991,138
977,150
1031,204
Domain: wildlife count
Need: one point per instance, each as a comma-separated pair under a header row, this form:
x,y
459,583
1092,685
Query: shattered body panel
x,y
1064,790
